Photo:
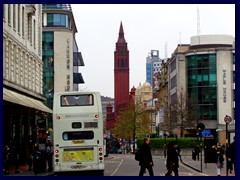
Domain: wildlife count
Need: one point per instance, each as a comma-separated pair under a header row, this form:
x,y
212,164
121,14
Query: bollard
x,y
193,155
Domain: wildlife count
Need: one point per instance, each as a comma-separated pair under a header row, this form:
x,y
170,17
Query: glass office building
x,y
210,71
202,84
61,57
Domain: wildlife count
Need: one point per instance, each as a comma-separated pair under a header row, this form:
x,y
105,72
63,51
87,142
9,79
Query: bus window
x,y
65,136
65,101
78,135
77,100
90,99
76,125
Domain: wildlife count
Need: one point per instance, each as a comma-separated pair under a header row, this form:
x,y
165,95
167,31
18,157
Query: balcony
x,y
78,59
77,78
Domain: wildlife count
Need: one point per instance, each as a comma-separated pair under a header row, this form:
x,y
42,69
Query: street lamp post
x,y
200,128
155,103
165,145
227,120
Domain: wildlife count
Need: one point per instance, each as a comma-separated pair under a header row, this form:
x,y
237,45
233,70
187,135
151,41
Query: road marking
x,y
112,161
185,174
190,169
117,168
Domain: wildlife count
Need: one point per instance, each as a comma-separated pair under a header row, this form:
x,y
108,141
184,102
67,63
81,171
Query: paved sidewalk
x,y
209,169
25,172
30,173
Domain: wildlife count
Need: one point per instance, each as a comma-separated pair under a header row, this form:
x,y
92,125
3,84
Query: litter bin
x,y
193,155
39,162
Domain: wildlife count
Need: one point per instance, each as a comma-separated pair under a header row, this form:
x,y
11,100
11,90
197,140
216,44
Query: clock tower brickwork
x,y
121,72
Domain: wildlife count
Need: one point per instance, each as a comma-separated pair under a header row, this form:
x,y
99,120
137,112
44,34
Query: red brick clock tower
x,y
121,72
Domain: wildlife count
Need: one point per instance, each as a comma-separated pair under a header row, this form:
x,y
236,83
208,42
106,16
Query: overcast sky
x,y
146,27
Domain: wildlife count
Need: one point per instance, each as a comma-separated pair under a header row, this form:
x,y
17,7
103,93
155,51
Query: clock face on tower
x,y
121,51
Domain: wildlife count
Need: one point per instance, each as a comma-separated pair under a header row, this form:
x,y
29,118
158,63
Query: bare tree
x,y
184,112
132,121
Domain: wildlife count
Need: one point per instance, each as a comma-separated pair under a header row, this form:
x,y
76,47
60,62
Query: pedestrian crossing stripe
x,y
112,161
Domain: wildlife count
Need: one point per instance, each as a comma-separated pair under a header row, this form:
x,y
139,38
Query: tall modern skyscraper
x,y
153,66
121,72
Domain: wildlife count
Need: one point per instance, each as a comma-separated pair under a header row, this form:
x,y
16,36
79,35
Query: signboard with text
x,y
206,133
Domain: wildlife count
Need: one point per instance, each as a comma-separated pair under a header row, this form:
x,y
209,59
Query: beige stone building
x,y
144,96
162,95
23,100
143,93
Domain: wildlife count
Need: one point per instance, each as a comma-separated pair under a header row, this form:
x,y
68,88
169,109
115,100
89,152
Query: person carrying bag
x,y
145,161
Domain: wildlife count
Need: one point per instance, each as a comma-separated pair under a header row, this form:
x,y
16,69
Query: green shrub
x,y
188,142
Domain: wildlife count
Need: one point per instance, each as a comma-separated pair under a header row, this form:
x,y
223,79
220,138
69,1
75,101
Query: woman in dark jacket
x,y
172,159
145,158
219,158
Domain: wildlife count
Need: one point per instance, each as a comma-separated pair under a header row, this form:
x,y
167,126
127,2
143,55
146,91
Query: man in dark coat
x,y
146,158
232,153
172,159
228,158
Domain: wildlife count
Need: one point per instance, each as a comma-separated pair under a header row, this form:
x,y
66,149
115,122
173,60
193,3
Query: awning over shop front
x,y
23,100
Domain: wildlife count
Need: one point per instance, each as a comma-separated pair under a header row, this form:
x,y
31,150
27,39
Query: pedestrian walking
x,y
232,153
36,156
6,159
16,154
146,161
219,152
30,150
228,159
49,156
178,150
172,163
197,150
118,147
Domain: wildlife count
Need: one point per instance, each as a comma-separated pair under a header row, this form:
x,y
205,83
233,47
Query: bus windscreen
x,y
77,100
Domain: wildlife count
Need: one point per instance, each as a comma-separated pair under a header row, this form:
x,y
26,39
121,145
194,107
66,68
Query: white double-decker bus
x,y
78,132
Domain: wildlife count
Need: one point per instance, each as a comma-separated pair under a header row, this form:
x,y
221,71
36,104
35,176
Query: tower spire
x,y
121,33
121,38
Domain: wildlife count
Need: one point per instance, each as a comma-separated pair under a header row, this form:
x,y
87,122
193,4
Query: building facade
x,y
205,72
162,105
121,72
106,103
144,96
176,83
210,66
61,57
23,99
153,66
